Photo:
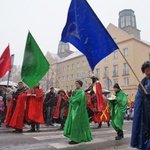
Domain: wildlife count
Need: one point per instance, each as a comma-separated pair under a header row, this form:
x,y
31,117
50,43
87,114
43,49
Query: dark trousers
x,y
63,121
1,117
50,113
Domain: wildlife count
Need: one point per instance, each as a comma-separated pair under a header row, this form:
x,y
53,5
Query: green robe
x,y
77,126
118,109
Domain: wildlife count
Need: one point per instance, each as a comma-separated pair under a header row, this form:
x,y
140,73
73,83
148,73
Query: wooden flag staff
x,y
133,72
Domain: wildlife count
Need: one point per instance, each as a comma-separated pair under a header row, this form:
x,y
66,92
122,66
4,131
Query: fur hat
x,y
62,92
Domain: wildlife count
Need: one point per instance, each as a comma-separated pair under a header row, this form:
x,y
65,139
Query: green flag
x,y
35,65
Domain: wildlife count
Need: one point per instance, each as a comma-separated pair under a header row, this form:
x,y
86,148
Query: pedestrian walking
x,y
16,109
34,108
77,127
118,106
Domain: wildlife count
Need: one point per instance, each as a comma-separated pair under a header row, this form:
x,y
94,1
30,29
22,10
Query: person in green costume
x,y
77,127
118,107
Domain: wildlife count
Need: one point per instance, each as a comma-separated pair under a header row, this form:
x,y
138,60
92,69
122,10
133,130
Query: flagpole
x,y
8,78
9,73
133,72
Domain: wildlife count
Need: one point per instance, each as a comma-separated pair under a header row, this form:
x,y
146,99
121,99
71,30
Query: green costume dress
x,y
77,126
118,108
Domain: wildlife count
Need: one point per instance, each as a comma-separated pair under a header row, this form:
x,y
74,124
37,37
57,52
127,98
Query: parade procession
x,y
59,99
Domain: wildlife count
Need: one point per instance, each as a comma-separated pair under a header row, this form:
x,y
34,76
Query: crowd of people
x,y
74,110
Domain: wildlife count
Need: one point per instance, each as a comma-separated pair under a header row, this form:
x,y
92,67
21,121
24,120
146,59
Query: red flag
x,y
5,62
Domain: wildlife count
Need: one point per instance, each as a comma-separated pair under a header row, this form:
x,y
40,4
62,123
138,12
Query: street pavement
x,y
50,138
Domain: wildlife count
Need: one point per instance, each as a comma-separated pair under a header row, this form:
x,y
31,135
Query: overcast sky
x,y
46,18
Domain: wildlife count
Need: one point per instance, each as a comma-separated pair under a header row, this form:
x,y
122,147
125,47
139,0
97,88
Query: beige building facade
x,y
115,68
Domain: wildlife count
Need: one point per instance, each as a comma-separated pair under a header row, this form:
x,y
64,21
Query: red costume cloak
x,y
17,119
100,101
56,111
8,113
34,111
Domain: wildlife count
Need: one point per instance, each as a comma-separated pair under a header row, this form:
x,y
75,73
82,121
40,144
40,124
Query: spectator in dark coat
x,y
50,103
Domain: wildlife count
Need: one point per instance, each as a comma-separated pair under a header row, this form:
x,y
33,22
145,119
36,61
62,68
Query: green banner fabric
x,y
35,65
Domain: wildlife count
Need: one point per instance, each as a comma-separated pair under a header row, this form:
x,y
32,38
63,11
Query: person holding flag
x,y
34,108
16,109
140,137
34,67
100,102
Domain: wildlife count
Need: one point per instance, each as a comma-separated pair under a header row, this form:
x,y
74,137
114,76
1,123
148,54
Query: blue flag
x,y
85,31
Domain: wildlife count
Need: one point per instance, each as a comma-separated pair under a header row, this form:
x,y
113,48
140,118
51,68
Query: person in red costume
x,y
34,108
16,109
105,115
61,110
100,101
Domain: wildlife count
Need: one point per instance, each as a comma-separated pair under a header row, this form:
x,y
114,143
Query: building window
x,y
106,58
126,81
133,22
67,78
78,75
78,65
115,81
67,67
63,69
90,73
125,51
128,20
122,21
72,67
115,70
72,76
115,54
125,69
83,63
105,71
97,73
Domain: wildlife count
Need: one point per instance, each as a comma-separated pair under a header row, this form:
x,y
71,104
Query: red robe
x,y
100,101
8,113
56,111
34,110
105,116
17,119
89,102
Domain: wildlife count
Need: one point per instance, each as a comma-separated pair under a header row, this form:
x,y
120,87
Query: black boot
x,y
32,127
119,135
38,127
100,125
108,123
